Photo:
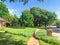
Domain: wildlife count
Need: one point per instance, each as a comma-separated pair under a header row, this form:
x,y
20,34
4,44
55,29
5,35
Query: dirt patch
x,y
33,41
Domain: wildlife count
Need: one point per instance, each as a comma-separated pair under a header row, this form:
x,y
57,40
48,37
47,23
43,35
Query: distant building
x,y
2,22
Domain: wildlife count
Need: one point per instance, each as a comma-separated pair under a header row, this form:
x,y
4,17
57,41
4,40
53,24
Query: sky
x,y
18,7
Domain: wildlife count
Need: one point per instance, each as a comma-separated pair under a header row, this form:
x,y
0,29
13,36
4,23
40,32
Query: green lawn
x,y
17,36
43,43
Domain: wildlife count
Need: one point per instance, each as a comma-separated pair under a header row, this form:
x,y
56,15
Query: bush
x,y
2,28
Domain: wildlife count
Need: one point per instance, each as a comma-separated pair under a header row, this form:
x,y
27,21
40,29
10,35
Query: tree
x,y
24,1
35,11
9,20
58,23
42,17
14,21
3,10
47,17
26,18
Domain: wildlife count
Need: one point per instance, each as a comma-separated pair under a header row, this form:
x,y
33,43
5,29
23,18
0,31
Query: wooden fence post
x,y
49,32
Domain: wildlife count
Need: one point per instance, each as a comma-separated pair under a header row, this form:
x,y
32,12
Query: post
x,y
35,33
49,32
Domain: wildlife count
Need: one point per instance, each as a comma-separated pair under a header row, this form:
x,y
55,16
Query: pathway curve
x,y
32,40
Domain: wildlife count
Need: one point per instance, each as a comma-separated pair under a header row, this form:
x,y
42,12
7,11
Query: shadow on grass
x,y
6,40
17,27
20,34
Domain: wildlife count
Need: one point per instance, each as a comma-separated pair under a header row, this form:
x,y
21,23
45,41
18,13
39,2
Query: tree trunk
x,y
45,26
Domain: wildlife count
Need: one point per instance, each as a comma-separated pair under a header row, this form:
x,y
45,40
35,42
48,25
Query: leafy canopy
x,y
26,18
24,1
42,16
3,10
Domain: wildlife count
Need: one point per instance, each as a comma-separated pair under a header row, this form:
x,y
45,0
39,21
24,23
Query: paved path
x,y
33,41
57,35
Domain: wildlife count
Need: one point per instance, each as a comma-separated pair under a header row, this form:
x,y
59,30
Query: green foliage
x,y
42,17
35,11
13,20
58,23
37,17
48,17
26,18
9,18
24,1
3,10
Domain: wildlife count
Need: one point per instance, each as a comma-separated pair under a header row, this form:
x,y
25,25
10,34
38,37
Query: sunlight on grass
x,y
18,36
43,43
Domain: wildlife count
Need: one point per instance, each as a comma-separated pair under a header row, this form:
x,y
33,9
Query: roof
x,y
1,19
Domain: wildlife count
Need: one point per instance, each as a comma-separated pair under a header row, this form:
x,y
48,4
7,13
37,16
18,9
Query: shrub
x,y
2,28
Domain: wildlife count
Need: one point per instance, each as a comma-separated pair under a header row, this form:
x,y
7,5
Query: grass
x,y
17,36
48,39
43,43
